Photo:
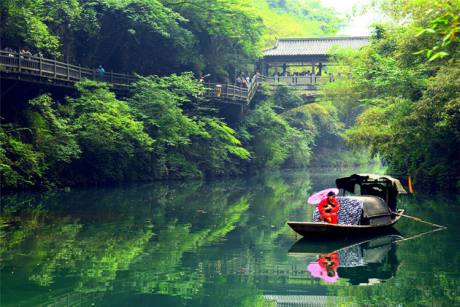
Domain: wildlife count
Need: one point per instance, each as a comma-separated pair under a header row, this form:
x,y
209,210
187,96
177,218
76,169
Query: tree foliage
x,y
277,139
219,37
108,133
409,102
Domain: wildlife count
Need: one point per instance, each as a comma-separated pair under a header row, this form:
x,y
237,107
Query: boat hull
x,y
322,229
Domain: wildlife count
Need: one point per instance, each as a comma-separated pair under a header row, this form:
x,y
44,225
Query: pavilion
x,y
311,53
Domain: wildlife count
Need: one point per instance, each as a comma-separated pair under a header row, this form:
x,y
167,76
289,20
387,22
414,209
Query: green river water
x,y
219,243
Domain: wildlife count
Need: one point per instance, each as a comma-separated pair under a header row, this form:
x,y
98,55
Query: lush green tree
x,y
36,156
294,18
21,166
189,141
24,22
227,34
433,26
108,134
219,152
409,102
271,139
52,135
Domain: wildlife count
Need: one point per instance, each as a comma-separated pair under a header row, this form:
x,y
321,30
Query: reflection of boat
x,y
367,261
378,202
314,246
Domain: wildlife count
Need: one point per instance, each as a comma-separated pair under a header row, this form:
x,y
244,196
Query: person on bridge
x,y
239,81
100,71
202,77
244,81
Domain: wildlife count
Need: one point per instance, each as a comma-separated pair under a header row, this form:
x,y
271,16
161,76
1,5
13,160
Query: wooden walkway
x,y
233,93
41,70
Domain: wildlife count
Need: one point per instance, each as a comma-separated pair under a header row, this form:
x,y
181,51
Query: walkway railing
x,y
41,69
233,92
13,62
228,91
294,80
312,81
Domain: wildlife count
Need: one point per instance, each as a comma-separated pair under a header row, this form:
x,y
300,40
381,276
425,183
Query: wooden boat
x,y
325,229
376,193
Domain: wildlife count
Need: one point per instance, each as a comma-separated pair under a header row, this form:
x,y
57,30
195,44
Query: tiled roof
x,y
313,46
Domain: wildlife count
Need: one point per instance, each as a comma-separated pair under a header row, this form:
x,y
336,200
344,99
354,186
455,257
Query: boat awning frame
x,y
348,183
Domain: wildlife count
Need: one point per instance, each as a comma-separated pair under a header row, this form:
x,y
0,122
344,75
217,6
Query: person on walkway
x,y
244,82
218,90
10,51
203,77
239,81
27,53
328,209
100,71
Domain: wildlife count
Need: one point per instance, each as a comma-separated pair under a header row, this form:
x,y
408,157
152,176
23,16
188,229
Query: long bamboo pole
x,y
419,220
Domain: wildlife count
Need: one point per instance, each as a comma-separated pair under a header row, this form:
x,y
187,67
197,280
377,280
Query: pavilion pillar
x,y
264,68
313,67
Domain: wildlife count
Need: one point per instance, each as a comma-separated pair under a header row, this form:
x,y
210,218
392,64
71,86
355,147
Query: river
x,y
219,243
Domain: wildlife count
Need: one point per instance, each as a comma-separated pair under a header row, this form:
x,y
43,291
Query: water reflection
x,y
137,239
362,261
223,243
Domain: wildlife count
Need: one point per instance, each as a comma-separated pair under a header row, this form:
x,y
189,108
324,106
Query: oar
x,y
420,234
419,220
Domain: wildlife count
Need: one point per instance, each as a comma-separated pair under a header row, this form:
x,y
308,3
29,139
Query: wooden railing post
x,y
68,72
79,72
111,76
55,68
41,66
19,61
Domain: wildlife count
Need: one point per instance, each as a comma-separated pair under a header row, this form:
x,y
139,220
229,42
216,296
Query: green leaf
x,y
438,55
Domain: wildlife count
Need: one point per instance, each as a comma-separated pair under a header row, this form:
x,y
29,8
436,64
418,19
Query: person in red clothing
x,y
329,263
328,209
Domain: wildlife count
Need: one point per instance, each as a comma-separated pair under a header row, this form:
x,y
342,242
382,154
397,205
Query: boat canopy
x,y
348,183
385,187
375,210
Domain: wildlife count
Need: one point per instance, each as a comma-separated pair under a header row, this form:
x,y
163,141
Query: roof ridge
x,y
314,45
322,38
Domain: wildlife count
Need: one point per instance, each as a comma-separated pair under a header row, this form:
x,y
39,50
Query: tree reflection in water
x,y
207,244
